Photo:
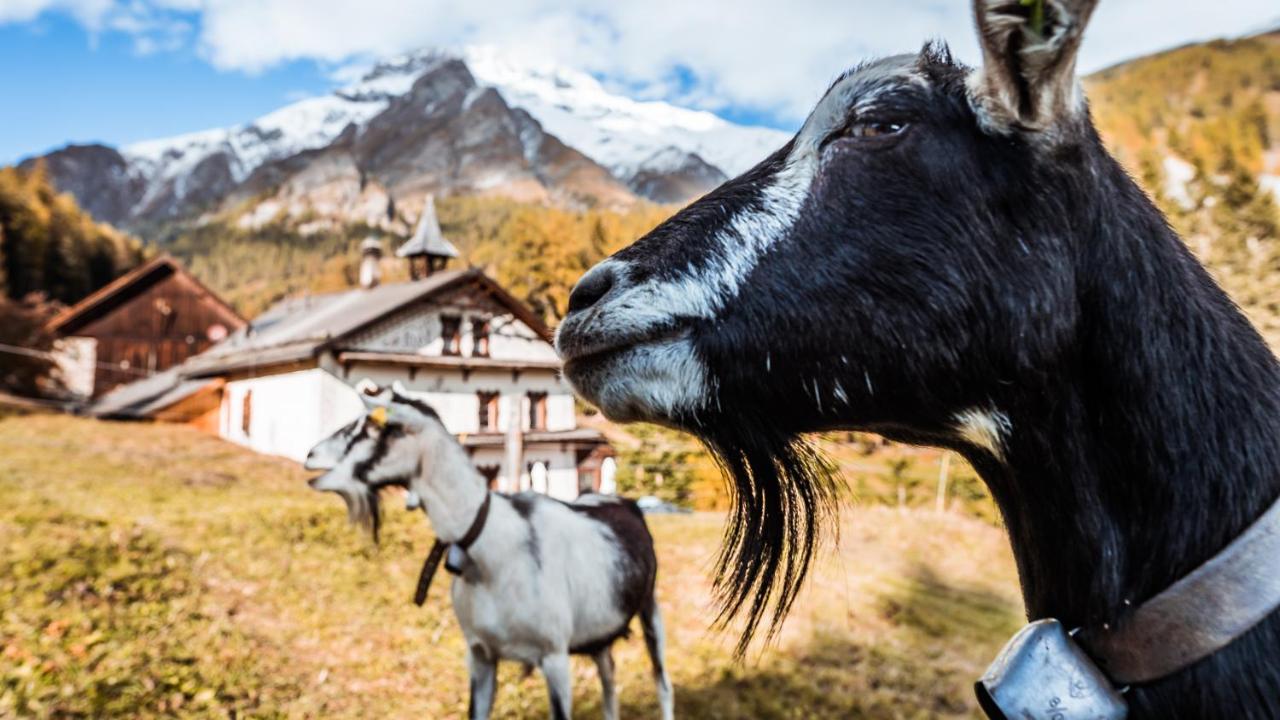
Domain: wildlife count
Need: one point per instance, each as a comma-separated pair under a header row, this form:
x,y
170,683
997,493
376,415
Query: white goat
x,y
541,580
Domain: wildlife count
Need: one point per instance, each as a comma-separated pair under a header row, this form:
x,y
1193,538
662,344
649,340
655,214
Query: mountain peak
x,y
400,117
617,131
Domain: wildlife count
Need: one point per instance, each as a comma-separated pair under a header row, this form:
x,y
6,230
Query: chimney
x,y
370,256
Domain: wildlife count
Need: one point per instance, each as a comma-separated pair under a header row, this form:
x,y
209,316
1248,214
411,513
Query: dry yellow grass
x,y
152,571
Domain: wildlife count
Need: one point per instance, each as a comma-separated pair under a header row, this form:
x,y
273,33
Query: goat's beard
x,y
783,495
363,508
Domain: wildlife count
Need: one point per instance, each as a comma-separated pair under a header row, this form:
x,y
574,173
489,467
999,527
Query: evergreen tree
x,y
51,247
4,268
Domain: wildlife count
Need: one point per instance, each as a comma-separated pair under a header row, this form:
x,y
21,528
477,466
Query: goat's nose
x,y
597,283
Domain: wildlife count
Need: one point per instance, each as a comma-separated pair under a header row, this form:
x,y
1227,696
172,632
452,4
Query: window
x,y
451,334
480,336
488,411
537,411
246,412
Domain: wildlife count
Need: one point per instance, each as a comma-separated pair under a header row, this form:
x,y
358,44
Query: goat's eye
x,y
874,129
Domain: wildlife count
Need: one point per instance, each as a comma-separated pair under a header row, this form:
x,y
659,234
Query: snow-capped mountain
x,y
616,131
409,124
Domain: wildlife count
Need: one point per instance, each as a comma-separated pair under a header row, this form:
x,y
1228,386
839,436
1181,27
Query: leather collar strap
x,y
1199,614
432,563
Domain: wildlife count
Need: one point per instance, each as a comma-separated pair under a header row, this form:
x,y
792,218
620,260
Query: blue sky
x,y
118,71
62,85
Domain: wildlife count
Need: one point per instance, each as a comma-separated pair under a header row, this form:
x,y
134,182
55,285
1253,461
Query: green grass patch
x,y
151,571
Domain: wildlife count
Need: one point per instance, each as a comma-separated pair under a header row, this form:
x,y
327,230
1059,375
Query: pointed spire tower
x,y
427,251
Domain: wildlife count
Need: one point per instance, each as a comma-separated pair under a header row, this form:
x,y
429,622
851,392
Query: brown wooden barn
x,y
144,322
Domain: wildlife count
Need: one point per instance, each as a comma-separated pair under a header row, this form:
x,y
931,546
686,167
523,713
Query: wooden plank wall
x,y
154,330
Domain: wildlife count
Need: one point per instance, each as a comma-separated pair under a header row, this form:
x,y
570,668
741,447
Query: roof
x,y
298,328
148,395
463,362
115,293
427,238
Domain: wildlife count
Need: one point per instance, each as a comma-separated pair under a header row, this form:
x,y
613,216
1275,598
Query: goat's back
x,y
640,564
567,576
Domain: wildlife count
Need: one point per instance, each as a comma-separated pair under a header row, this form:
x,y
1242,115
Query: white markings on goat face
x,y
986,429
360,458
649,382
654,371
703,291
329,452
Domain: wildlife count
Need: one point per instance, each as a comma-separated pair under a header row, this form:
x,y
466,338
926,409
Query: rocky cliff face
x,y
445,134
414,125
672,175
98,176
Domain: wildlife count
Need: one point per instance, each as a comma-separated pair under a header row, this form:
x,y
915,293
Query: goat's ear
x,y
1028,77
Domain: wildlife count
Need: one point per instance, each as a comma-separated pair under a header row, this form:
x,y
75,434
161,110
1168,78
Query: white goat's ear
x,y
371,395
1028,76
398,388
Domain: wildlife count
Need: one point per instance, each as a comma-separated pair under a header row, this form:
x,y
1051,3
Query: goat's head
x,y
907,252
382,448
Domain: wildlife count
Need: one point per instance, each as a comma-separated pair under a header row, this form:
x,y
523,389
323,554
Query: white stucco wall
x,y
293,411
290,412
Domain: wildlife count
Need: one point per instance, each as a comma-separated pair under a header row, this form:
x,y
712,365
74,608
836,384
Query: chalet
x,y
457,339
144,322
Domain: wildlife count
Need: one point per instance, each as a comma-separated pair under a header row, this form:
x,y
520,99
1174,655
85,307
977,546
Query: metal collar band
x,y
1199,614
1042,673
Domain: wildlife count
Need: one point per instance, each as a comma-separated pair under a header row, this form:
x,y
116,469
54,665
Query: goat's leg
x,y
608,693
484,683
555,668
655,642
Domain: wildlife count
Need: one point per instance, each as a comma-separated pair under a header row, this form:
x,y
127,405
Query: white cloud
x,y
87,12
767,55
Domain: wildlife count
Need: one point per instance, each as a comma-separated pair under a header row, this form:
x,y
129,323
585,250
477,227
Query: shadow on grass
x,y
939,638
925,606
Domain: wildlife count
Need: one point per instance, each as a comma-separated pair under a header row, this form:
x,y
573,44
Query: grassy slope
x,y
151,571
1215,105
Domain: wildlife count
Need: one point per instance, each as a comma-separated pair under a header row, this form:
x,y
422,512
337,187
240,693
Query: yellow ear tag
x,y
378,416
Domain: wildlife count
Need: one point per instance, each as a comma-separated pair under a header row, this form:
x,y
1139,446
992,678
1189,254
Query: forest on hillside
x,y
1199,127
49,246
51,254
536,252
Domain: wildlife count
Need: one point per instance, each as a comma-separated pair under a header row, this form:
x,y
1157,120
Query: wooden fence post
x,y
944,470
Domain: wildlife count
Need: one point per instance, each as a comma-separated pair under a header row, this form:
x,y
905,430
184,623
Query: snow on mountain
x,y
303,125
661,151
616,131
307,124
624,135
